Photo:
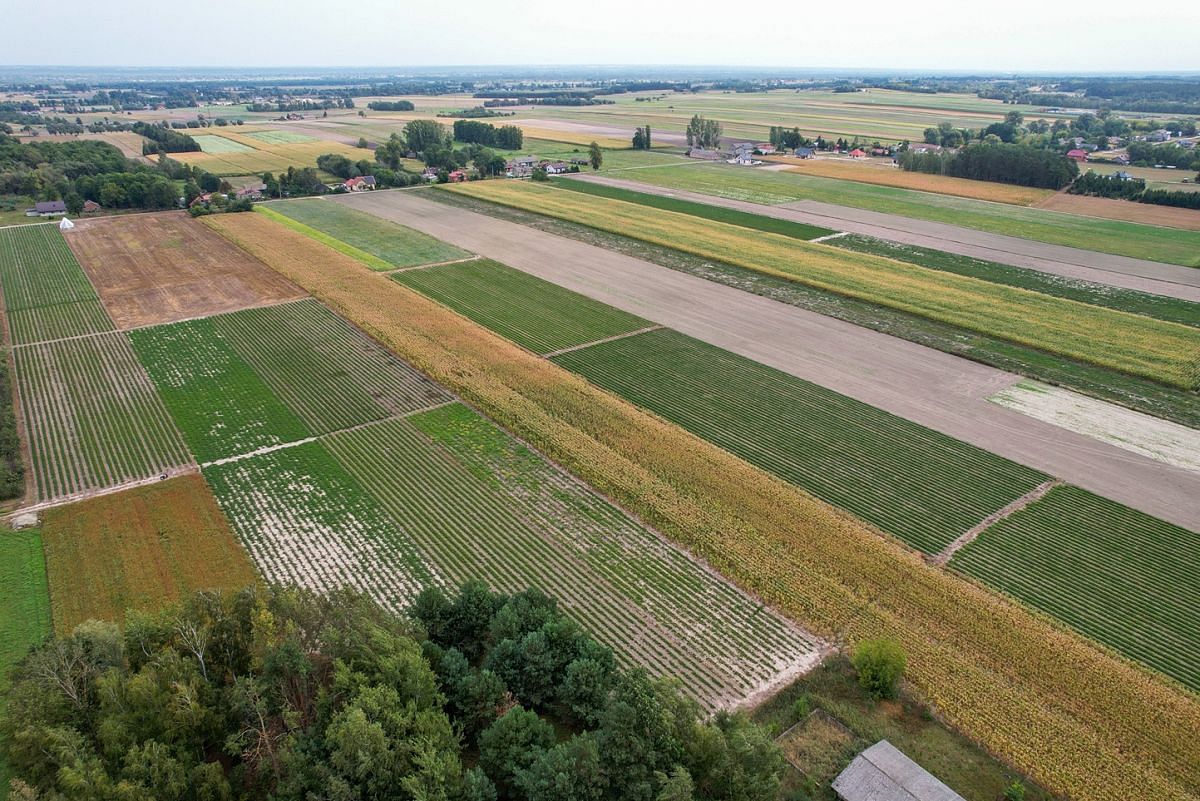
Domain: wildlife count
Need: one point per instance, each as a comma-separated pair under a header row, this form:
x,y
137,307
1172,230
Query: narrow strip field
x,y
93,418
1122,577
889,175
46,293
1168,245
392,245
139,549
539,315
1155,349
1022,686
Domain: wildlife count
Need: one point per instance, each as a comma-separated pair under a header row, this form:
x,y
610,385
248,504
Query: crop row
x,y
479,504
1166,352
93,418
539,315
1126,579
1084,723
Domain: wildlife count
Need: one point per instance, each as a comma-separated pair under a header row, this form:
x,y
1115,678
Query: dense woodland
x,y
1004,163
288,695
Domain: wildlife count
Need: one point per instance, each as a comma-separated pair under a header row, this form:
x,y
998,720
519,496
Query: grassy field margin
x,y
374,262
1073,715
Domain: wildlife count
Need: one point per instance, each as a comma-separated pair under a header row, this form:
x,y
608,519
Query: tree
x,y
595,155
512,744
391,152
676,787
880,665
703,133
570,771
422,135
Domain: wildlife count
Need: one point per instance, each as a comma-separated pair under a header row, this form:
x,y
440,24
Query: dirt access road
x,y
1102,268
938,390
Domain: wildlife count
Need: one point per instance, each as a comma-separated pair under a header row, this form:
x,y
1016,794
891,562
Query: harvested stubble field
x,y
94,419
139,549
1111,209
1089,233
887,174
537,314
1128,580
158,268
1163,351
259,156
1015,682
388,245
46,293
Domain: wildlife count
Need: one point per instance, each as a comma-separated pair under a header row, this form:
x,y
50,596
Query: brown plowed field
x,y
1169,216
159,268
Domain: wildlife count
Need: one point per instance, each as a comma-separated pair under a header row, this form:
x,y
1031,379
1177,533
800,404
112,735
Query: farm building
x,y
884,773
857,153
360,183
1077,155
924,147
765,148
707,155
251,192
805,153
456,177
556,167
47,208
90,206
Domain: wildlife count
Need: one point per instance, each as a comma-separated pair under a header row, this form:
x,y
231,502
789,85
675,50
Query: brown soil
x,y
1110,209
159,268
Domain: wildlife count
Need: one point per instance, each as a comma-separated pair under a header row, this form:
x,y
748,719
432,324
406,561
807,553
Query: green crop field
x,y
1159,307
1169,245
24,610
280,137
222,406
322,368
536,314
211,143
93,417
479,504
1165,352
46,293
921,486
1119,576
756,221
391,245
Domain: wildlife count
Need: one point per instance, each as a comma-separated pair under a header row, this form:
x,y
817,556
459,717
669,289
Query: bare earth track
x,y
944,392
161,268
1121,271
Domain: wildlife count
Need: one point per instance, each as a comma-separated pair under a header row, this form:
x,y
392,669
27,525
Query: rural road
x,y
926,386
1154,277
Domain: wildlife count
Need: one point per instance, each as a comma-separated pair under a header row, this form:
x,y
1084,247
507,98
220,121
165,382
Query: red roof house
x,y
1077,155
457,177
856,153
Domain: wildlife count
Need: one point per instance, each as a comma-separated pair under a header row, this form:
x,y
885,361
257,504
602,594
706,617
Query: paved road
x,y
927,386
1121,271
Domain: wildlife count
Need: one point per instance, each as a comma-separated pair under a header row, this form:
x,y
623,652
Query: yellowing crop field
x,y
252,155
1164,351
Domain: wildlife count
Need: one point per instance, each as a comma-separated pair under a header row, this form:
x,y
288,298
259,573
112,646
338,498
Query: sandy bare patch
x,y
161,268
1158,439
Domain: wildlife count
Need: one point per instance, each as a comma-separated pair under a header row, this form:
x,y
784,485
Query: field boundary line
x,y
827,237
171,472
574,348
967,537
476,257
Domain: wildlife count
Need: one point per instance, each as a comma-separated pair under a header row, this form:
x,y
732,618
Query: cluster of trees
x,y
1146,154
476,112
506,137
1003,163
289,695
641,138
703,133
391,105
1132,189
164,139
304,104
1156,95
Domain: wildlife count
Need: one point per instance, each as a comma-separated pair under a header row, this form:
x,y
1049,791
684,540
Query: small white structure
x,y
884,773
65,225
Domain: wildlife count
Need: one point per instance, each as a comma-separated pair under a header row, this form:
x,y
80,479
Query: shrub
x,y
880,664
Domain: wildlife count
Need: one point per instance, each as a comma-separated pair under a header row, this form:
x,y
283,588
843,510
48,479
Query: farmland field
x,y
391,245
139,549
1022,686
1146,213
258,156
1107,236
537,314
885,174
1137,345
1126,579
211,143
158,268
93,418
919,485
46,293
280,137
24,610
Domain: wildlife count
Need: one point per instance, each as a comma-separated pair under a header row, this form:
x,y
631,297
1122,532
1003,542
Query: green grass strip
x,y
745,219
374,262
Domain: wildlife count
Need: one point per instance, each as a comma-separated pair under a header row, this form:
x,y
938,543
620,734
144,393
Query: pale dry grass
x,y
1080,720
1112,209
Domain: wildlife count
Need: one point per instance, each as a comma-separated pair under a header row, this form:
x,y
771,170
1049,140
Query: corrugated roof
x,y
884,773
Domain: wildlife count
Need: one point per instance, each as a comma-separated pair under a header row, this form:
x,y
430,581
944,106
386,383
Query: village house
x,y
766,148
555,167
884,773
456,177
90,206
47,208
858,153
805,153
520,167
1077,155
253,192
924,147
361,183
430,173
705,155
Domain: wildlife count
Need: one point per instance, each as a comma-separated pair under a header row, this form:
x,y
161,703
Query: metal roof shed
x,y
884,773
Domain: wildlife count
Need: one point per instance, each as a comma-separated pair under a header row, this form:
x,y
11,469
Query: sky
x,y
1009,36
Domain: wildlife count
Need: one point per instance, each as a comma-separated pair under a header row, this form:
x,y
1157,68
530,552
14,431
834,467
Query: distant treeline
x,y
478,112
164,140
1002,163
321,104
558,100
391,105
1111,186
506,137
